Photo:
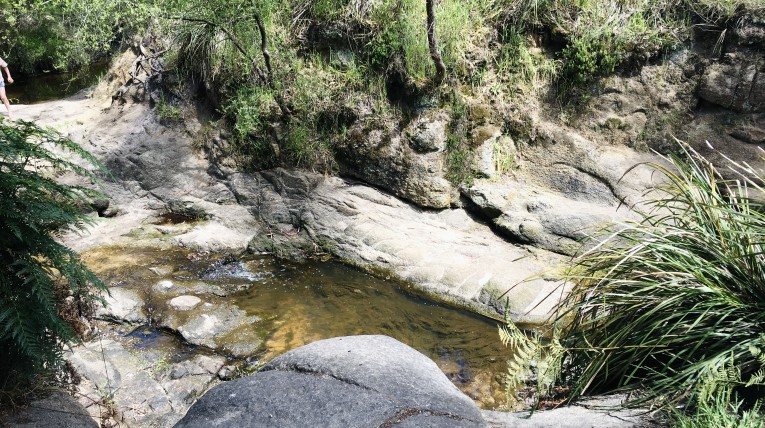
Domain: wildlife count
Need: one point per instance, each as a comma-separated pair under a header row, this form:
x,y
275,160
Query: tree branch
x,y
235,41
435,55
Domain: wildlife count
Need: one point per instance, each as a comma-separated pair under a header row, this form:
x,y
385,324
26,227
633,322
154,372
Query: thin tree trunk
x,y
433,44
264,45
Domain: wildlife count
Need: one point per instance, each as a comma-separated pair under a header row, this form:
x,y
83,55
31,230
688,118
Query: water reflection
x,y
54,86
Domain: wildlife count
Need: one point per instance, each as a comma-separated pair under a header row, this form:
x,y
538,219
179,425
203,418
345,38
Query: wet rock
x,y
122,305
184,303
217,326
58,410
165,285
162,270
356,381
230,269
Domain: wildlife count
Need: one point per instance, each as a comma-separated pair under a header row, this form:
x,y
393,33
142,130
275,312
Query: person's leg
x,y
5,101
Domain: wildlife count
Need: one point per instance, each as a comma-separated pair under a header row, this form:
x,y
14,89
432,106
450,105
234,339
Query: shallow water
x,y
54,86
302,303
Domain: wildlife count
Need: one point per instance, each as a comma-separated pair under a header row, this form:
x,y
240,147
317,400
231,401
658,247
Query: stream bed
x,y
285,305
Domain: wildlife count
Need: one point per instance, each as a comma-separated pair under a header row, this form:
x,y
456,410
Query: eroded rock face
x,y
409,164
356,381
569,189
737,83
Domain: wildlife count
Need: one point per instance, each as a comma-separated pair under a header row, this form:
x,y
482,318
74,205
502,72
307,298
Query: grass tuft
x,y
673,306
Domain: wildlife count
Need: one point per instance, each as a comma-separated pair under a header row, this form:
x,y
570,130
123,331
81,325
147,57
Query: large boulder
x,y
357,381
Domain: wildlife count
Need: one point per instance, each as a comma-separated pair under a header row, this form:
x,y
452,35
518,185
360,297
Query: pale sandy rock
x,y
122,305
184,303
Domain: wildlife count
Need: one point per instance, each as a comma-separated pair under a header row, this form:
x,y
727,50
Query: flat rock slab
x,y
145,389
216,326
184,303
594,412
357,381
58,410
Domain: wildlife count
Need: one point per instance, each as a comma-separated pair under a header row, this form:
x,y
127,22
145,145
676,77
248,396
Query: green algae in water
x,y
302,303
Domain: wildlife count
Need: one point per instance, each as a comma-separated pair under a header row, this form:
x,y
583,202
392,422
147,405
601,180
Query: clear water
x,y
302,303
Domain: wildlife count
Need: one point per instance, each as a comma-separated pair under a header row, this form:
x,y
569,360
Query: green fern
x,y
37,273
537,361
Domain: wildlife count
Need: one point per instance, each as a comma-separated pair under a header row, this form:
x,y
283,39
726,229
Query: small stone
x,y
165,284
209,364
179,371
227,372
185,303
162,271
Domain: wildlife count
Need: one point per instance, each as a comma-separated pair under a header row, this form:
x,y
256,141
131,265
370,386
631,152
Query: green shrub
x,y
44,288
167,112
585,59
673,306
460,158
64,35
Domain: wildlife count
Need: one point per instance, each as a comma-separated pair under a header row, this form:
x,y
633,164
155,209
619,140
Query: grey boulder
x,y
357,381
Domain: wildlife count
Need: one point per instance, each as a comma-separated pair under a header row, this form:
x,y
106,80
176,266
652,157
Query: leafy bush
x,y
673,306
585,59
44,289
63,35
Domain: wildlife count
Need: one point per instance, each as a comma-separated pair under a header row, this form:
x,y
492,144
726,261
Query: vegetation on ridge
x,y
670,309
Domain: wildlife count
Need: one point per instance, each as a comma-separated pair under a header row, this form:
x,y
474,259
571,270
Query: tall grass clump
x,y
673,307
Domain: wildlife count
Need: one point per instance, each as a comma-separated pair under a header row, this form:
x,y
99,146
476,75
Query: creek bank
x,y
166,193
141,367
155,171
